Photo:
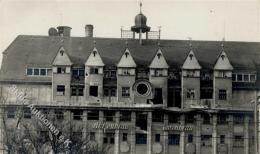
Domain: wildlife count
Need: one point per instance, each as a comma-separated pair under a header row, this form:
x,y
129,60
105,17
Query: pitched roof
x,y
126,60
191,62
39,51
159,61
94,59
223,62
62,58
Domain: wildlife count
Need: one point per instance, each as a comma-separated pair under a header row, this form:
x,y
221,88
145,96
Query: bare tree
x,y
31,136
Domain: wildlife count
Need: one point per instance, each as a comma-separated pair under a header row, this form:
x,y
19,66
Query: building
x,y
141,95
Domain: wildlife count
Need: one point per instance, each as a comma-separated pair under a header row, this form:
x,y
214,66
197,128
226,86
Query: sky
x,y
235,20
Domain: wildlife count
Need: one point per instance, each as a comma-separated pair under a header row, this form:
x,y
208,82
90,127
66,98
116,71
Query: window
x,y
238,141
109,115
125,116
174,139
190,138
93,70
109,138
124,136
189,118
238,119
206,140
59,115
222,119
234,77
93,91
92,136
29,71
174,118
252,77
206,119
222,139
36,71
157,117
125,91
157,137
126,71
43,72
239,77
77,91
61,70
190,94
27,113
78,72
158,72
11,113
44,136
140,138
110,74
77,114
246,77
93,115
110,91
60,90
222,94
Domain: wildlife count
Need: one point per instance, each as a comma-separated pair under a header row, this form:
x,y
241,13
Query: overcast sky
x,y
236,20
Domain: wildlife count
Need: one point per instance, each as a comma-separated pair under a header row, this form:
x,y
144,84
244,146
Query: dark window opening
x,y
59,114
189,118
92,136
238,119
27,113
142,89
174,139
190,138
157,117
43,72
93,70
206,119
238,141
125,116
124,136
61,70
44,136
109,138
222,139
190,94
158,99
206,140
93,91
77,91
140,138
93,115
29,71
206,93
174,118
109,115
36,71
141,120
77,114
239,77
157,137
60,90
11,113
110,91
222,119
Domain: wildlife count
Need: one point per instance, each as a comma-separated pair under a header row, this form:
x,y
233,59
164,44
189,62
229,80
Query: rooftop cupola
x,y
140,24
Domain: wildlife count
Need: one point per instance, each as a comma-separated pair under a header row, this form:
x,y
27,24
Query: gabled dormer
x,y
94,59
62,58
223,62
159,66
191,66
126,64
61,63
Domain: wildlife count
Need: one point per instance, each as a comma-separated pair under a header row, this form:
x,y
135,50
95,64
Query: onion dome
x,y
140,23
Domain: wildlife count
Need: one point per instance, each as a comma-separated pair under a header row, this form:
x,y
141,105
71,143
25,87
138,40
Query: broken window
x,y
60,90
93,91
190,94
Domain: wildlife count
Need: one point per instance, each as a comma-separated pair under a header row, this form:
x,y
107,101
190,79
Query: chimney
x,y
64,31
89,30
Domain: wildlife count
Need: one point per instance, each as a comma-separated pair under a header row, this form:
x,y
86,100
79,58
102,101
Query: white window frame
x,y
40,68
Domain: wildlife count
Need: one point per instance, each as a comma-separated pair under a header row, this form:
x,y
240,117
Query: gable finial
x,y
222,44
159,44
190,43
141,6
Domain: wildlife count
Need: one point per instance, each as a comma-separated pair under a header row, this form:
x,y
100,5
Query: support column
x,y
230,134
85,124
101,131
117,135
132,136
165,135
182,135
214,134
246,135
149,133
198,133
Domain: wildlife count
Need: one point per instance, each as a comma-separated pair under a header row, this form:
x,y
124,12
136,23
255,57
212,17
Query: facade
x,y
140,96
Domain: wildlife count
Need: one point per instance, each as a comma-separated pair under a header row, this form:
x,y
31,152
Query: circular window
x,y
142,88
